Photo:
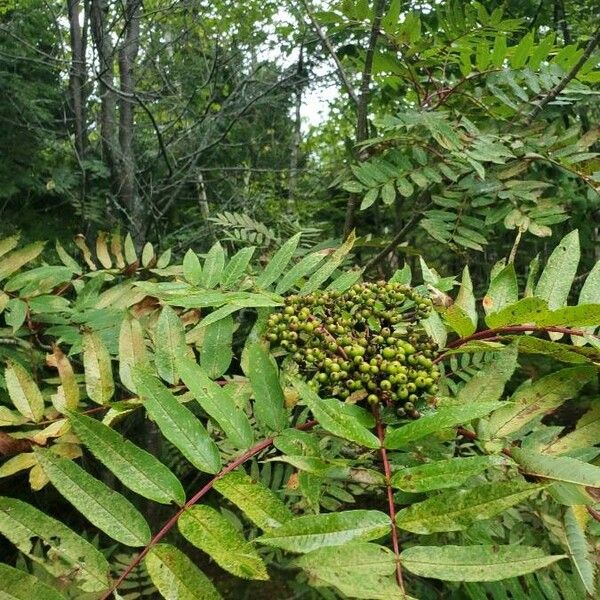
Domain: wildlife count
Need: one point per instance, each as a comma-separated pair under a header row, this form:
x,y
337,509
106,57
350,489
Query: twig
x,y
262,445
390,497
554,92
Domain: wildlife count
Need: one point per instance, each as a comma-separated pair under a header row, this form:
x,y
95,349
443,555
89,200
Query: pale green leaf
x,y
475,563
269,403
578,547
176,577
169,339
237,266
213,267
15,260
544,395
309,532
526,310
334,419
458,510
18,585
254,499
216,352
298,271
209,530
278,263
76,561
442,419
466,299
216,402
585,435
24,392
192,270
135,468
503,291
590,293
106,509
177,423
132,350
99,382
560,468
556,278
443,473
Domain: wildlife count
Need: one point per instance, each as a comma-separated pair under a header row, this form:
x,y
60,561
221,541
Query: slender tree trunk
x,y
128,188
295,150
77,77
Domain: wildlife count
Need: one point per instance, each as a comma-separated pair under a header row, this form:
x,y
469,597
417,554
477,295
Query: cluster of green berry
x,y
365,343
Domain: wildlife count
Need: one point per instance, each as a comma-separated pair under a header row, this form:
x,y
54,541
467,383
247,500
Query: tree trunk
x,y
77,78
128,188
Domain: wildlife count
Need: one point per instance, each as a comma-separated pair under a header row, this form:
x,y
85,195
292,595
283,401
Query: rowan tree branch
x,y
556,90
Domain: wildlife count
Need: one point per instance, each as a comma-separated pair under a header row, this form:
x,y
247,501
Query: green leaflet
x,y
583,315
585,435
443,473
258,502
298,271
210,531
80,563
176,576
561,352
345,280
18,585
236,267
578,547
475,563
356,569
561,468
556,278
590,292
333,262
169,339
99,382
132,350
24,392
458,510
106,509
442,419
177,423
15,260
526,310
278,263
213,267
545,394
192,270
309,532
488,383
269,403
503,291
459,320
216,353
335,419
135,468
216,402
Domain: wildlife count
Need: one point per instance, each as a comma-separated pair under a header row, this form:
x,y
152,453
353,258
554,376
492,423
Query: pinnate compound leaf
x,y
475,563
24,392
135,468
309,532
216,402
216,353
560,468
269,402
458,510
18,585
176,576
333,418
443,473
99,382
278,263
578,547
76,560
442,419
209,530
488,383
556,278
106,509
357,569
254,499
177,423
533,400
169,341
